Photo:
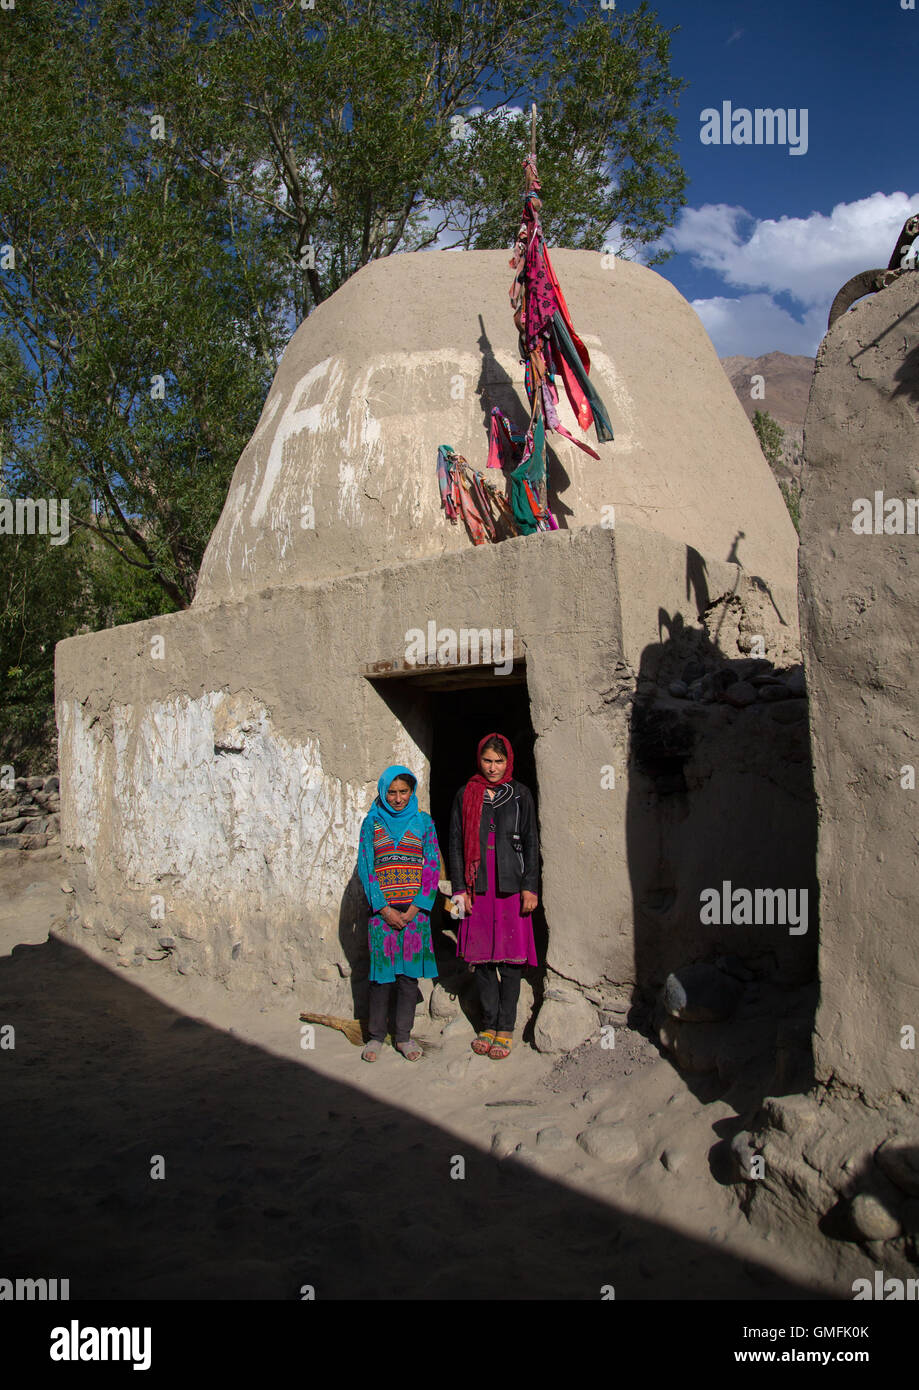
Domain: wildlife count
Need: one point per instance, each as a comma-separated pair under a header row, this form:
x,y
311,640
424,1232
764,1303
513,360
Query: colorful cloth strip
x,y
465,493
550,349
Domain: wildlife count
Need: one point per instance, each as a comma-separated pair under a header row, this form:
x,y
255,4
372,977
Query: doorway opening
x,y
447,712
459,720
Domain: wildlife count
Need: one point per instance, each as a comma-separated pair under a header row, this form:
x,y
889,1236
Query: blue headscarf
x,y
396,823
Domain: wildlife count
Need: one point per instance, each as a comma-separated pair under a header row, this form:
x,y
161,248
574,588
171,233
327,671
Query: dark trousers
x,y
499,999
406,999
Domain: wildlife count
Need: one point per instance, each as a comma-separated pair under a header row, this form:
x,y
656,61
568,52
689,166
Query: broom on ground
x,y
352,1028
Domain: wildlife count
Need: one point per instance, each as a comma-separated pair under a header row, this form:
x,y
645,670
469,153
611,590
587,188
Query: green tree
x,y
365,127
791,491
770,435
170,172
771,438
42,597
136,301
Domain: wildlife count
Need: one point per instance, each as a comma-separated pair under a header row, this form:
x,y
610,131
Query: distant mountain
x,y
785,389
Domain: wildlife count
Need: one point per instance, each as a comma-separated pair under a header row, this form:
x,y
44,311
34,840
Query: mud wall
x,y
216,764
222,759
860,627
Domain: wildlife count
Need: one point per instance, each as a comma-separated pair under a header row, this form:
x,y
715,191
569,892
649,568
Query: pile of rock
x,y
30,813
742,683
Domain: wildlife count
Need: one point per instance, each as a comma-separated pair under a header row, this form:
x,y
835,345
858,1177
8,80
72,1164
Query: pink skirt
x,y
495,929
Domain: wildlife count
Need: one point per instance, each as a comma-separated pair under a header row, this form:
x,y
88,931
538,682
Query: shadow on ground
x,y
276,1177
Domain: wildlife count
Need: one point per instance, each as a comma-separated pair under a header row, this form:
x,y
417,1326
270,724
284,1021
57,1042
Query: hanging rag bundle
x,y
551,350
465,493
549,343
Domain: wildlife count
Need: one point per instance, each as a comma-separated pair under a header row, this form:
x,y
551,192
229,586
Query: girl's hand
x,y
410,915
392,918
467,905
528,902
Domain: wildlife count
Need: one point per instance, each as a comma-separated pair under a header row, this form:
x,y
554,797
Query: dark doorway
x,y
459,719
447,713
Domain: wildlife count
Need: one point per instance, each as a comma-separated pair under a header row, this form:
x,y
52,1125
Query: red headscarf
x,y
473,797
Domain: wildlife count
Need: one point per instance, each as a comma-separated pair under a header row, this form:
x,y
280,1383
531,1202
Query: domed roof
x,y
413,352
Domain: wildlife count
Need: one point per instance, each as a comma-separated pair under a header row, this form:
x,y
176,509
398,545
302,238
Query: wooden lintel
x,y
460,672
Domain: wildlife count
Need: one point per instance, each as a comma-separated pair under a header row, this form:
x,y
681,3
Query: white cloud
x,y
810,258
807,258
753,324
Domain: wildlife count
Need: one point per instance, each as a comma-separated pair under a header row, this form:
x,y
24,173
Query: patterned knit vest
x,y
397,867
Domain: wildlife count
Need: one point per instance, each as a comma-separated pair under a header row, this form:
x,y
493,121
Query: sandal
x,y
501,1046
483,1041
410,1050
372,1050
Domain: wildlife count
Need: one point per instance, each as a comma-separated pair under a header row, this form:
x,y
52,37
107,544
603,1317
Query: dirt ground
x,y
166,1138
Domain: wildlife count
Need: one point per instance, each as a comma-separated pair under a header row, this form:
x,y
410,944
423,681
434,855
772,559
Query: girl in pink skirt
x,y
494,865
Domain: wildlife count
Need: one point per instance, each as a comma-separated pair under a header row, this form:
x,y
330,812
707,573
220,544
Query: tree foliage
x,y
770,435
771,438
363,127
791,491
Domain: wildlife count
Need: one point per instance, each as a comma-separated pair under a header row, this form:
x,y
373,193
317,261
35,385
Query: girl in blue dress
x,y
399,867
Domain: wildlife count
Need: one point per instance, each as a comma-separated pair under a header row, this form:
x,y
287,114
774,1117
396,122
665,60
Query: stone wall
x,y
30,813
845,1156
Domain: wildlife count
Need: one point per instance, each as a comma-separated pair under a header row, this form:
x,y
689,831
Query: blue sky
x,y
768,237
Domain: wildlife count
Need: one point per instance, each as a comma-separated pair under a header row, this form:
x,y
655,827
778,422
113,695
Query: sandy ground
x,y
285,1167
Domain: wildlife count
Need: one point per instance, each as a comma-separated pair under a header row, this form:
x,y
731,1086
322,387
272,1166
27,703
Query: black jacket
x,y
516,871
